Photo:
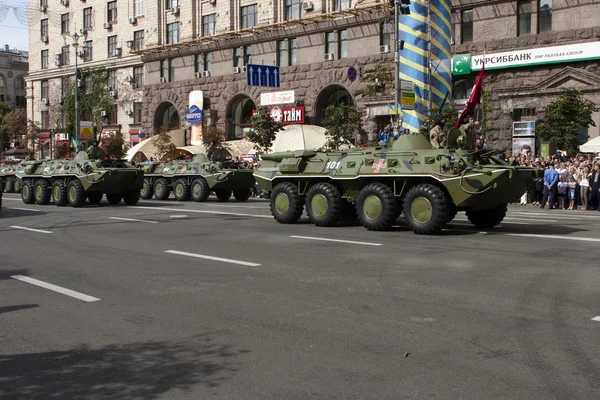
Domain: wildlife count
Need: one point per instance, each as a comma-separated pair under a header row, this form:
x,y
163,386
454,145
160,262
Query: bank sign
x,y
464,64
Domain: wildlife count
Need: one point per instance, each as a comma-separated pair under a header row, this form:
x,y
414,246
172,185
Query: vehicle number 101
x,y
333,165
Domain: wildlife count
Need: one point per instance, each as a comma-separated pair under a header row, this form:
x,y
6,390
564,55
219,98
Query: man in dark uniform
x,y
95,152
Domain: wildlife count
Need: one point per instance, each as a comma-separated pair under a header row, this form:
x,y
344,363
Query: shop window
x,y
524,17
544,16
466,26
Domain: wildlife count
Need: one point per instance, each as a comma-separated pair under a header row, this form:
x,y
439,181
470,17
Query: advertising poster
x,y
196,99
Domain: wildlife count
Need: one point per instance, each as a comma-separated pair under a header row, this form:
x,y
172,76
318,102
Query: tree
x,y
32,136
377,80
163,144
213,134
341,122
62,150
450,114
114,145
14,124
566,118
486,110
264,130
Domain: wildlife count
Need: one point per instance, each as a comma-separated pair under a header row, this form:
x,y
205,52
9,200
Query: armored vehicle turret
x,y
11,183
72,181
378,184
196,178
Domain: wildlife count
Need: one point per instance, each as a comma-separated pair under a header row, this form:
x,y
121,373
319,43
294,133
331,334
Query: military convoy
x,y
11,183
73,181
429,186
195,179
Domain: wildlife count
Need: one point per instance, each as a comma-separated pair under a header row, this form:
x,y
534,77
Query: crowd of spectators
x,y
575,185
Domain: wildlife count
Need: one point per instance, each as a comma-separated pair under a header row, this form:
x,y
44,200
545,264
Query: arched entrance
x,y
239,113
332,95
166,115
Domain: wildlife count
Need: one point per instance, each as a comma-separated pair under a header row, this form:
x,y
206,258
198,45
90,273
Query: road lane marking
x,y
533,219
596,319
24,209
532,235
55,288
554,214
201,211
134,220
336,240
29,229
12,199
177,216
504,222
227,260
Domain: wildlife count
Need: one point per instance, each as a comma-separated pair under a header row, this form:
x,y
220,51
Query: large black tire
x,y
59,193
182,190
286,204
223,194
17,185
200,189
114,198
376,207
161,189
9,185
426,209
27,192
487,219
242,194
452,213
132,198
42,192
76,193
324,204
147,189
95,197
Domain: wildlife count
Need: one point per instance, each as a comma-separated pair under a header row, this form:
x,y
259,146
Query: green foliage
x,y
341,122
62,150
114,146
264,130
14,123
378,79
486,108
566,118
450,115
164,143
32,136
211,133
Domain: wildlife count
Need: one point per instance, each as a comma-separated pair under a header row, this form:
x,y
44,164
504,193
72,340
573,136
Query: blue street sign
x,y
193,115
262,75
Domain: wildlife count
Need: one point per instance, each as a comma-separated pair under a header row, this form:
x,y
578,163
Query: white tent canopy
x,y
299,137
149,149
592,146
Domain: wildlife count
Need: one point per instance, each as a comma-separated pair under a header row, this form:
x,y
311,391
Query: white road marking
x,y
504,222
9,198
201,211
134,220
24,209
177,216
557,214
596,319
265,207
55,288
336,240
559,237
227,260
531,219
30,229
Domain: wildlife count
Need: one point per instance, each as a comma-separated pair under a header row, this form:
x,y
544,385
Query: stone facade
x,y
13,70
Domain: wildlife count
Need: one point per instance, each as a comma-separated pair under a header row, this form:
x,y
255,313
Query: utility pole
x,y
76,45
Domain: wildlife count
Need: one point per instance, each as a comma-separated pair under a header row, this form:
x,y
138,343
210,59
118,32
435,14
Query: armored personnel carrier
x,y
195,179
72,181
428,185
11,183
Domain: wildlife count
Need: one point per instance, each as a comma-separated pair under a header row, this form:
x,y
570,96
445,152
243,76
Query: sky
x,y
12,31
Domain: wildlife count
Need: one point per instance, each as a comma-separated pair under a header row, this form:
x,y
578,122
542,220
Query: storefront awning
x,y
44,142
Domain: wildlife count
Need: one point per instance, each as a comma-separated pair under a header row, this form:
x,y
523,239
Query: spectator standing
x,y
584,184
572,186
595,187
562,192
550,182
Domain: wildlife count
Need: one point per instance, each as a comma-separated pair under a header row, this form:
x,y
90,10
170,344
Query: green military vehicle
x,y
72,181
196,178
11,183
429,186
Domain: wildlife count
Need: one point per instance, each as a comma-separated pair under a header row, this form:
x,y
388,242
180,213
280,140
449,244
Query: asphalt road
x,y
170,300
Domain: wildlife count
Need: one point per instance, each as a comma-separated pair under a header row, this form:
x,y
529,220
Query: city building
x,y
13,70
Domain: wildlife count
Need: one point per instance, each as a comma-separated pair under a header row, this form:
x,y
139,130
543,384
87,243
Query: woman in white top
x,y
584,184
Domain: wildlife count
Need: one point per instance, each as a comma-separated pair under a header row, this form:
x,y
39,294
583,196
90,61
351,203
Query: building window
x,y
64,24
112,46
87,83
466,26
343,44
45,120
384,34
452,28
44,28
544,16
167,70
173,33
87,18
249,16
65,84
45,92
44,59
137,112
112,117
172,3
87,50
2,89
20,100
112,80
138,8
138,76
209,24
329,42
171,70
292,9
342,4
238,54
64,55
111,11
200,62
286,52
523,17
138,40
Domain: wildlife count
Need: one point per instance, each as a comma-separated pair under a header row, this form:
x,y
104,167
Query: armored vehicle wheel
x,y
182,190
324,205
42,192
147,190
95,197
9,186
161,189
132,198
486,219
286,204
27,192
426,209
200,190
242,194
17,185
113,198
222,194
376,207
59,193
76,193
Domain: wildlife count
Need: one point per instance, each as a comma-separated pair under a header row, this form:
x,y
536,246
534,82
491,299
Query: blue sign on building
x,y
193,115
262,75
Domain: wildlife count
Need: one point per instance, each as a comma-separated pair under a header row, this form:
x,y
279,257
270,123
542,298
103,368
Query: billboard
x,y
196,99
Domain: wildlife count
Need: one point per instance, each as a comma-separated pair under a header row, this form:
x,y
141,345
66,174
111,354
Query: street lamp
x,y
76,45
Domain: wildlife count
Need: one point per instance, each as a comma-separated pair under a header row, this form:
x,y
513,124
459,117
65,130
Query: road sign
x,y
193,115
352,74
262,75
407,85
407,99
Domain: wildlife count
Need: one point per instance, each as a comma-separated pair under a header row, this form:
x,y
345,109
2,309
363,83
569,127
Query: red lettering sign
x,y
287,115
